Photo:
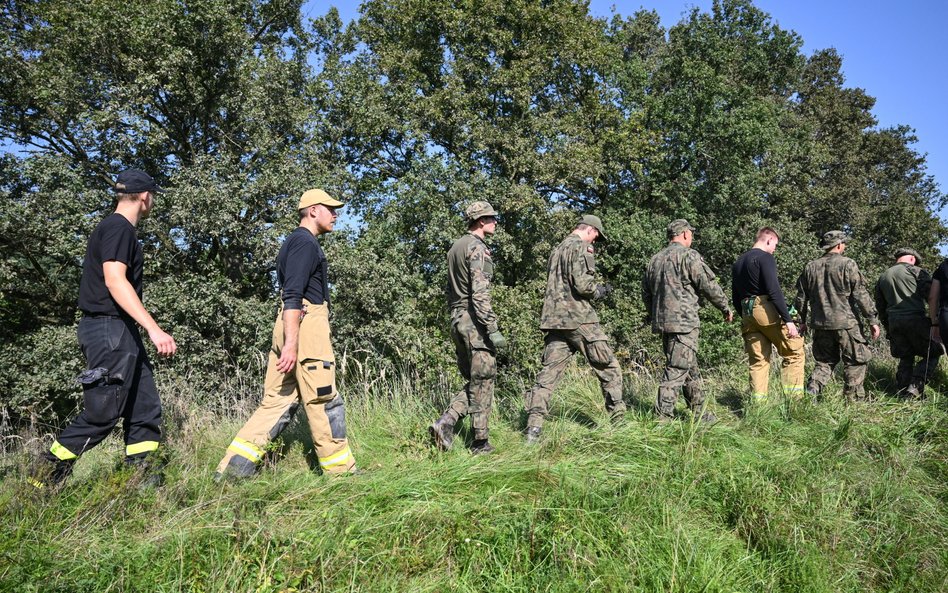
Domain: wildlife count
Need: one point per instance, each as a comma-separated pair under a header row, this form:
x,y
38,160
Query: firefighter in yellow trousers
x,y
302,366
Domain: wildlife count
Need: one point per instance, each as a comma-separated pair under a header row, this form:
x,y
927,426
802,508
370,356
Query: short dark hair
x,y
583,226
767,232
123,197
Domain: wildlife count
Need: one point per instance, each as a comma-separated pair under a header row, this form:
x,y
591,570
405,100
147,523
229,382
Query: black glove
x,y
602,290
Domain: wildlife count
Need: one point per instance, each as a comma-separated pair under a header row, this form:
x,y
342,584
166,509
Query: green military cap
x,y
479,209
677,227
908,251
833,238
596,223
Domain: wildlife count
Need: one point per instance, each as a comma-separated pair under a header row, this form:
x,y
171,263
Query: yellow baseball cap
x,y
317,196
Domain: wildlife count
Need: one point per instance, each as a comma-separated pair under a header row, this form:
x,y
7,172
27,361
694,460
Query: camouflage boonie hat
x,y
833,238
479,209
677,227
908,251
596,223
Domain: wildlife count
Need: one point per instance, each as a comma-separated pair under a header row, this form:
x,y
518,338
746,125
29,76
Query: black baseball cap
x,y
135,181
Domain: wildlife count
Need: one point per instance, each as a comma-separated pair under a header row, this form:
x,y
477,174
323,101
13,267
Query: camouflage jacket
x,y
570,285
829,288
901,292
470,270
673,280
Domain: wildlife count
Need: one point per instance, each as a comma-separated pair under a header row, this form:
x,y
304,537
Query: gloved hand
x,y
602,290
498,340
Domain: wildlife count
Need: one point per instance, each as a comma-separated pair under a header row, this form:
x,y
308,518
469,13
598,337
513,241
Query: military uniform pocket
x,y
592,332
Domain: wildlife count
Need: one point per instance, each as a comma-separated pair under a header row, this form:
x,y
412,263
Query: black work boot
x,y
481,447
49,475
707,417
442,432
532,434
150,469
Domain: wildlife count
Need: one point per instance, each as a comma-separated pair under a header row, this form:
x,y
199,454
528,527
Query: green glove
x,y
498,340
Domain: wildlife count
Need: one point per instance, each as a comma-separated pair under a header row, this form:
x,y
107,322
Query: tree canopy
x,y
408,113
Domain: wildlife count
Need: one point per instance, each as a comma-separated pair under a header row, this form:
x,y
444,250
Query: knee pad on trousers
x,y
336,413
283,421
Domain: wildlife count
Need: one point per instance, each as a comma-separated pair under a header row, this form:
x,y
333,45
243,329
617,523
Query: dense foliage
x,y
409,112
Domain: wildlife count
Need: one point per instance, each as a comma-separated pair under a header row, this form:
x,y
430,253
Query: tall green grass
x,y
788,496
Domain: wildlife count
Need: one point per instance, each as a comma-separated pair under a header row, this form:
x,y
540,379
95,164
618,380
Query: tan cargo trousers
x,y
762,330
313,383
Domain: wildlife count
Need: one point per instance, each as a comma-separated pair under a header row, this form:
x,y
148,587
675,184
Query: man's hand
x,y
287,361
162,341
936,334
792,330
875,332
498,340
728,315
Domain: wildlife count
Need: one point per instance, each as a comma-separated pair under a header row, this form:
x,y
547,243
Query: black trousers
x,y
124,390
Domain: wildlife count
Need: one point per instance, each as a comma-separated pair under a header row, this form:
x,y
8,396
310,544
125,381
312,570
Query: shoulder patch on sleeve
x,y
590,249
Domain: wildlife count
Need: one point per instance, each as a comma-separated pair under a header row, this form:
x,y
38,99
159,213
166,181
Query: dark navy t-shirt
x,y
114,239
302,270
941,274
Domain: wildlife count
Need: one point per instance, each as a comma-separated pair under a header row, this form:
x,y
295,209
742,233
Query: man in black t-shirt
x,y
118,382
766,322
938,303
301,366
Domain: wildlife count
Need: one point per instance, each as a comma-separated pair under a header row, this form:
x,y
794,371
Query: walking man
x,y
570,324
828,289
766,322
900,295
675,277
473,329
301,366
118,381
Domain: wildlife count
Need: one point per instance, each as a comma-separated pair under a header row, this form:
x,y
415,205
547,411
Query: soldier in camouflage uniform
x,y
829,288
570,324
473,329
900,295
673,280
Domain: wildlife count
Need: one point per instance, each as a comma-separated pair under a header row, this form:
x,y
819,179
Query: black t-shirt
x,y
941,274
755,274
114,239
302,270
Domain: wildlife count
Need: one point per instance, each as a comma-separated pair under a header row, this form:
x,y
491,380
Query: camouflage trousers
x,y
909,338
681,371
763,330
830,346
559,346
478,366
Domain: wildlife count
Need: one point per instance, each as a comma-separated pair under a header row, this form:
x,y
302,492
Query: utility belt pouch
x,y
747,306
92,377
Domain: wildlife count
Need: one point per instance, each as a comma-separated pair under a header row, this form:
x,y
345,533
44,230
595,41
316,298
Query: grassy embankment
x,y
789,497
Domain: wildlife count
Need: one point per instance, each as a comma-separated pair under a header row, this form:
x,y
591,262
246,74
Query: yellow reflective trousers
x,y
312,383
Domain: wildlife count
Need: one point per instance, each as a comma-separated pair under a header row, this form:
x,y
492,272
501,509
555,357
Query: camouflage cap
x,y
479,209
677,227
908,251
832,239
596,223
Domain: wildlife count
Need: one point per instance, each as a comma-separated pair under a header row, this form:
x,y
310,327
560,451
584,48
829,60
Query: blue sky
x,y
890,49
